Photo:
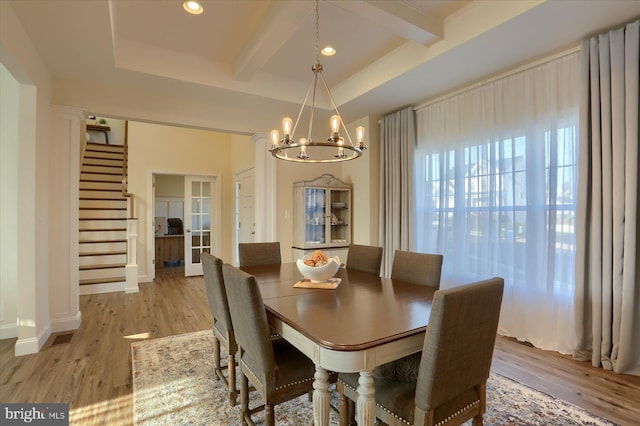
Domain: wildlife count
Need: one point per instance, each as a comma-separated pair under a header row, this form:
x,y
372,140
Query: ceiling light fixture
x,y
306,150
193,7
328,51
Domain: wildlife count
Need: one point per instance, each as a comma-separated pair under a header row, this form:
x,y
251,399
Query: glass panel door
x,y
198,239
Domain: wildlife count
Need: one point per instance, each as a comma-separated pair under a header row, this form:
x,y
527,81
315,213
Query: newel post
x,y
132,261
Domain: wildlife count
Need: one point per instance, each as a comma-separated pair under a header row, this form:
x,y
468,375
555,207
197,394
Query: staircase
x,y
103,220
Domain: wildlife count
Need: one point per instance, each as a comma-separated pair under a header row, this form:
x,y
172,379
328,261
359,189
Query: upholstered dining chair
x,y
364,258
222,326
277,370
417,268
259,253
450,387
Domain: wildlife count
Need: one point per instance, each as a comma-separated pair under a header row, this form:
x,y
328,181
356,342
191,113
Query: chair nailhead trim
x,y
254,375
279,387
294,383
457,413
378,405
440,423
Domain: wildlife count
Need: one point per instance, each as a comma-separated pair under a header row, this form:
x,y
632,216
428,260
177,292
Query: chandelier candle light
x,y
334,148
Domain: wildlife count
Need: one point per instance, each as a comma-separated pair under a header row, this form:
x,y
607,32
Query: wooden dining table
x,y
365,322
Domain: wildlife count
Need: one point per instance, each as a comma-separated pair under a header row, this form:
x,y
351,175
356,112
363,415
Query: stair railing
x,y
124,171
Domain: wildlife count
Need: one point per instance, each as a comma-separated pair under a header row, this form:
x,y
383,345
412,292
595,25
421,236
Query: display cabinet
x,y
321,216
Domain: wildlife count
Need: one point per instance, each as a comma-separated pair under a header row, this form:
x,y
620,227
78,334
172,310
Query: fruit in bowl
x,y
318,267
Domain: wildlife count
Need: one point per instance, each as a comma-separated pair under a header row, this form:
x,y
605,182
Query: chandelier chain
x,y
317,31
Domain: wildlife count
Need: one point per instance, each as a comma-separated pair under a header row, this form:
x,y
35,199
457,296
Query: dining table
x,y
365,322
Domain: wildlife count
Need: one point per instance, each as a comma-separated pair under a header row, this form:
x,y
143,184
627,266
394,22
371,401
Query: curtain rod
x,y
500,76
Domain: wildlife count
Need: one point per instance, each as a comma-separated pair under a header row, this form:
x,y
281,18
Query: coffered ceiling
x,y
252,58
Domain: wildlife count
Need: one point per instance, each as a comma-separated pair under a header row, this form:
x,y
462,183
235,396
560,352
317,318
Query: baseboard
x,y
66,324
8,331
144,279
32,345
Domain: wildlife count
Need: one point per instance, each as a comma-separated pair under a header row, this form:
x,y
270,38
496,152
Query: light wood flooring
x,y
93,371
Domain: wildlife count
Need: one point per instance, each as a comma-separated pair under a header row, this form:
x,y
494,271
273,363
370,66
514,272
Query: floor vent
x,y
62,338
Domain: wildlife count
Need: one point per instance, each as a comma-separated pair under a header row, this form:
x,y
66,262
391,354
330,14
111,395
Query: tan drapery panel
x,y
397,143
607,298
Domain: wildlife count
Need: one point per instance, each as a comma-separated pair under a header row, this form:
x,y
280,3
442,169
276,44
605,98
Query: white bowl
x,y
319,274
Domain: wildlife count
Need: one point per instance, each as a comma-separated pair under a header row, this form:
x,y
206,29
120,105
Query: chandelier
x,y
307,150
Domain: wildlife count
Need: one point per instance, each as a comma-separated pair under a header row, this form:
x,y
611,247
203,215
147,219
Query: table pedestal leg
x,y
321,397
366,402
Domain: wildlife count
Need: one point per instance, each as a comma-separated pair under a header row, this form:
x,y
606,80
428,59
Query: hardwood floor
x,y
93,371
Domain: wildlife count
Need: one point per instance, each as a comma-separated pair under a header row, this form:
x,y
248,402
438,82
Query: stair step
x,y
89,161
91,221
98,180
103,208
102,273
87,248
101,186
104,147
107,266
103,194
100,169
103,229
101,241
102,203
92,153
102,253
102,236
101,281
101,177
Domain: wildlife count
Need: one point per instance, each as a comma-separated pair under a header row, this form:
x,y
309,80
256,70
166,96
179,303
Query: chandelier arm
x,y
304,102
313,100
335,107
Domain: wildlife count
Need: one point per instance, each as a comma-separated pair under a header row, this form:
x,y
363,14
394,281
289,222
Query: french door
x,y
200,213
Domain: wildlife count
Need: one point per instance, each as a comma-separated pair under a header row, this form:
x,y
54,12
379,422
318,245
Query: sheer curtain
x,y
496,183
397,142
608,258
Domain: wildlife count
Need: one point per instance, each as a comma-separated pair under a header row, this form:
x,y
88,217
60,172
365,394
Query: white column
x,y
67,134
265,189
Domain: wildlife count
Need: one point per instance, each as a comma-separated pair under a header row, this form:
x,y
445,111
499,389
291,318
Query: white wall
x,y
175,150
364,175
9,106
20,58
170,186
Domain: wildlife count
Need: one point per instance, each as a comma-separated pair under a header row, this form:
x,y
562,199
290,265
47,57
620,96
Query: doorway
x,y
186,220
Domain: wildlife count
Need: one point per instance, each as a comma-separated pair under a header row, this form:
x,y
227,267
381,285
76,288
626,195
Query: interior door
x,y
245,208
199,218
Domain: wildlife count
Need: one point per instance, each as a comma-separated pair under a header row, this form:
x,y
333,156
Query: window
x,y
495,180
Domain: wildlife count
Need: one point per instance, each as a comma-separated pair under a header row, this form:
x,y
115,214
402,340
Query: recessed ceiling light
x,y
328,51
193,7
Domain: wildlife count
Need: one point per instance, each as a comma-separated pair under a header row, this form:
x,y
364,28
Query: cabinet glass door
x,y
315,216
339,216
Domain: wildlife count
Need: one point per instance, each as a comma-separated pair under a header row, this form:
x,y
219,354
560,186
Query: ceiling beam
x,y
398,17
279,24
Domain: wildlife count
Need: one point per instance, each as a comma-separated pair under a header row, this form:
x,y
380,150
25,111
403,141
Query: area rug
x,y
174,384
